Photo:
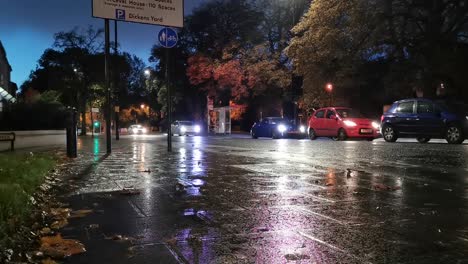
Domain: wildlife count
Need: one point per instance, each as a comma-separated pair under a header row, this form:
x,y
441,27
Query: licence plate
x,y
366,131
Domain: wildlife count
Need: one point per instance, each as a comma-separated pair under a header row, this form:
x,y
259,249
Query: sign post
x,y
165,13
168,39
108,110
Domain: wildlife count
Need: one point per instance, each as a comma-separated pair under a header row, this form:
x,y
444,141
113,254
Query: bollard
x,y
71,133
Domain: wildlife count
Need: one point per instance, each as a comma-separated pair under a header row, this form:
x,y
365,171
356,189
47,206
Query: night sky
x,y
27,28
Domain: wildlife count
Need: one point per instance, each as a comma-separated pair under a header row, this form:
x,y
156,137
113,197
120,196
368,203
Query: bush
x,y
38,116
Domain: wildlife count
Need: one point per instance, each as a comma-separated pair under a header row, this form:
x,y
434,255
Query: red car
x,y
341,123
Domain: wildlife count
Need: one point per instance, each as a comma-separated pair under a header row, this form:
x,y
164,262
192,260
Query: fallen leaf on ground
x,y
48,261
59,224
329,184
45,231
80,213
60,212
57,247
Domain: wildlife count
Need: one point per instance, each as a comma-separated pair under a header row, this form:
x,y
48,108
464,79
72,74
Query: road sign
x,y
167,37
160,12
94,110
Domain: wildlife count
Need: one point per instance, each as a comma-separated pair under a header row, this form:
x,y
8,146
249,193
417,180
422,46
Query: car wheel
x,y
341,135
389,134
254,136
423,139
274,135
454,135
312,135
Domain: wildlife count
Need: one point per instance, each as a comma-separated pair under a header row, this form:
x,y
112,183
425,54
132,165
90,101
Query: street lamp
x,y
142,106
147,73
329,89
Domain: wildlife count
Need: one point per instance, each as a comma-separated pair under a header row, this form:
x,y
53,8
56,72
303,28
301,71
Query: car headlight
x,y
375,125
144,130
282,128
302,129
183,129
467,118
349,123
197,129
135,130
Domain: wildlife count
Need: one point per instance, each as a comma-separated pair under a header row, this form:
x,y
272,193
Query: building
x,y
7,88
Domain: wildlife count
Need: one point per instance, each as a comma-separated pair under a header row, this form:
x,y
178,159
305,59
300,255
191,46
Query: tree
x,y
74,68
407,44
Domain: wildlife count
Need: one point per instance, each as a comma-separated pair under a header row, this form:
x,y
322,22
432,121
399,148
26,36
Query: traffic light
x,y
96,124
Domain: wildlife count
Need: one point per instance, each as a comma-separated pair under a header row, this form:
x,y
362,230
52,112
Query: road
x,y
240,200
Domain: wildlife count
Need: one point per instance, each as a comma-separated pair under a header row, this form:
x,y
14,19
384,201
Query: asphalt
x,y
240,200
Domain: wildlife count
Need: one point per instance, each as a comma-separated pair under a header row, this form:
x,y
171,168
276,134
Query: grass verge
x,y
20,177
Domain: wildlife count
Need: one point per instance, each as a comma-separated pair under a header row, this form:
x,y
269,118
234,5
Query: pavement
x,y
240,200
35,140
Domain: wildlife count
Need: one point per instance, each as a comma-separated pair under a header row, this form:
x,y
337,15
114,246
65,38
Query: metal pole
x,y
108,94
168,104
92,120
116,73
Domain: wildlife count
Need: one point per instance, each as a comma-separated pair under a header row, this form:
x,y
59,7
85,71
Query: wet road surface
x,y
239,200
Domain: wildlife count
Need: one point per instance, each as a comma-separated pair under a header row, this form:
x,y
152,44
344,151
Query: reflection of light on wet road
x,y
96,149
198,182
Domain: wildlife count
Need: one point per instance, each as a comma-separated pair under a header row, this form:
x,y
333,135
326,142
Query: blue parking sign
x,y
168,38
120,14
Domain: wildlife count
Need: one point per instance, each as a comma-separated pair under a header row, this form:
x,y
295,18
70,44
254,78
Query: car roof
x,y
414,99
335,108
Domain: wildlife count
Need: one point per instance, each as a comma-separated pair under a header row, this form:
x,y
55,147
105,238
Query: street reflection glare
x,y
96,149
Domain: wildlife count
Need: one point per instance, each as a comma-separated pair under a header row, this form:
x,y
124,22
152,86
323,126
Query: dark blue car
x,y
424,119
277,127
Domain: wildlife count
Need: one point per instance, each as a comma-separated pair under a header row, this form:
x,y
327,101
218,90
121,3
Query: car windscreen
x,y
185,123
278,120
348,113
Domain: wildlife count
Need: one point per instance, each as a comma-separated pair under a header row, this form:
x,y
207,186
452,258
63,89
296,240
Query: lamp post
x,y
329,89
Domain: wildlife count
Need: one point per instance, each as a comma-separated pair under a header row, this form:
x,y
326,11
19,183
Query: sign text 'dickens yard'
x,y
160,12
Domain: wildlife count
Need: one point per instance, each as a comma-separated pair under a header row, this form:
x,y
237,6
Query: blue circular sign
x,y
167,37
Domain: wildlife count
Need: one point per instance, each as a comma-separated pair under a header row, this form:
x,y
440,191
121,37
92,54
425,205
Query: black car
x,y
277,127
424,119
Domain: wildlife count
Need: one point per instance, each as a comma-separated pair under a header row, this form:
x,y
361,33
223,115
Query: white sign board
x,y
157,12
95,110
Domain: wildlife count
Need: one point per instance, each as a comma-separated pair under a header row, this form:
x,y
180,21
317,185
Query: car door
x,y
405,117
317,122
330,125
428,119
261,127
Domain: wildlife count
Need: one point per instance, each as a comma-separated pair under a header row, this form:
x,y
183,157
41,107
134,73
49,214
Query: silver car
x,y
137,130
182,128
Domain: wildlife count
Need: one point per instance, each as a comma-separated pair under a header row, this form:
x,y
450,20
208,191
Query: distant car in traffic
x,y
137,130
425,119
184,128
341,123
277,127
